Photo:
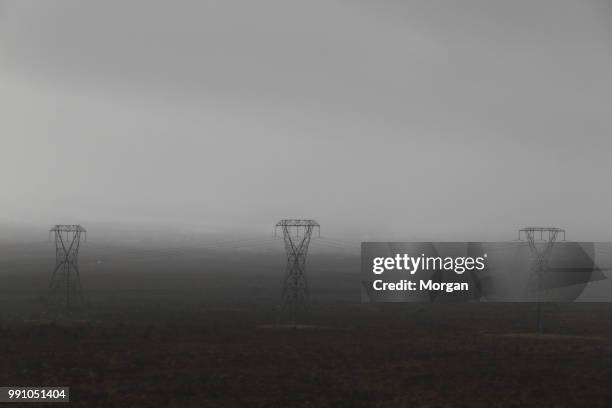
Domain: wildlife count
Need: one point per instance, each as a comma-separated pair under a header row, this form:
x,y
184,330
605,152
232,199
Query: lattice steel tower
x,y
547,238
297,234
66,282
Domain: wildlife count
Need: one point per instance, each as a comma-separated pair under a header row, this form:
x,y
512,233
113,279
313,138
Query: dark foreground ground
x,y
482,355
184,329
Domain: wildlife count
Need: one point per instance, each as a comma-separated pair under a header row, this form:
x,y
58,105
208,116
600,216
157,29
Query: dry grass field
x,y
191,330
471,355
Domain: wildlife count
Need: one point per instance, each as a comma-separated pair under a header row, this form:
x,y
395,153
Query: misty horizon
x,y
414,120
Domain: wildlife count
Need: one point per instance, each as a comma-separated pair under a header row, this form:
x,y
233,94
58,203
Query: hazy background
x,y
395,119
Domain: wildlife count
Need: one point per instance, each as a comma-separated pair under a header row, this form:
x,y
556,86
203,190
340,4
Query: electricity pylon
x,y
541,257
66,282
297,234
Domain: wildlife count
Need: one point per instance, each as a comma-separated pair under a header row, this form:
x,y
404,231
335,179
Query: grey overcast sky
x,y
416,119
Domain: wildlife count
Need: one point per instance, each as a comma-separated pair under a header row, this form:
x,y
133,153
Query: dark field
x,y
364,356
190,330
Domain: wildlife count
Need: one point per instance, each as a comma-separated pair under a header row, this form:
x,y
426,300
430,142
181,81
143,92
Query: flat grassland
x,y
189,334
472,355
